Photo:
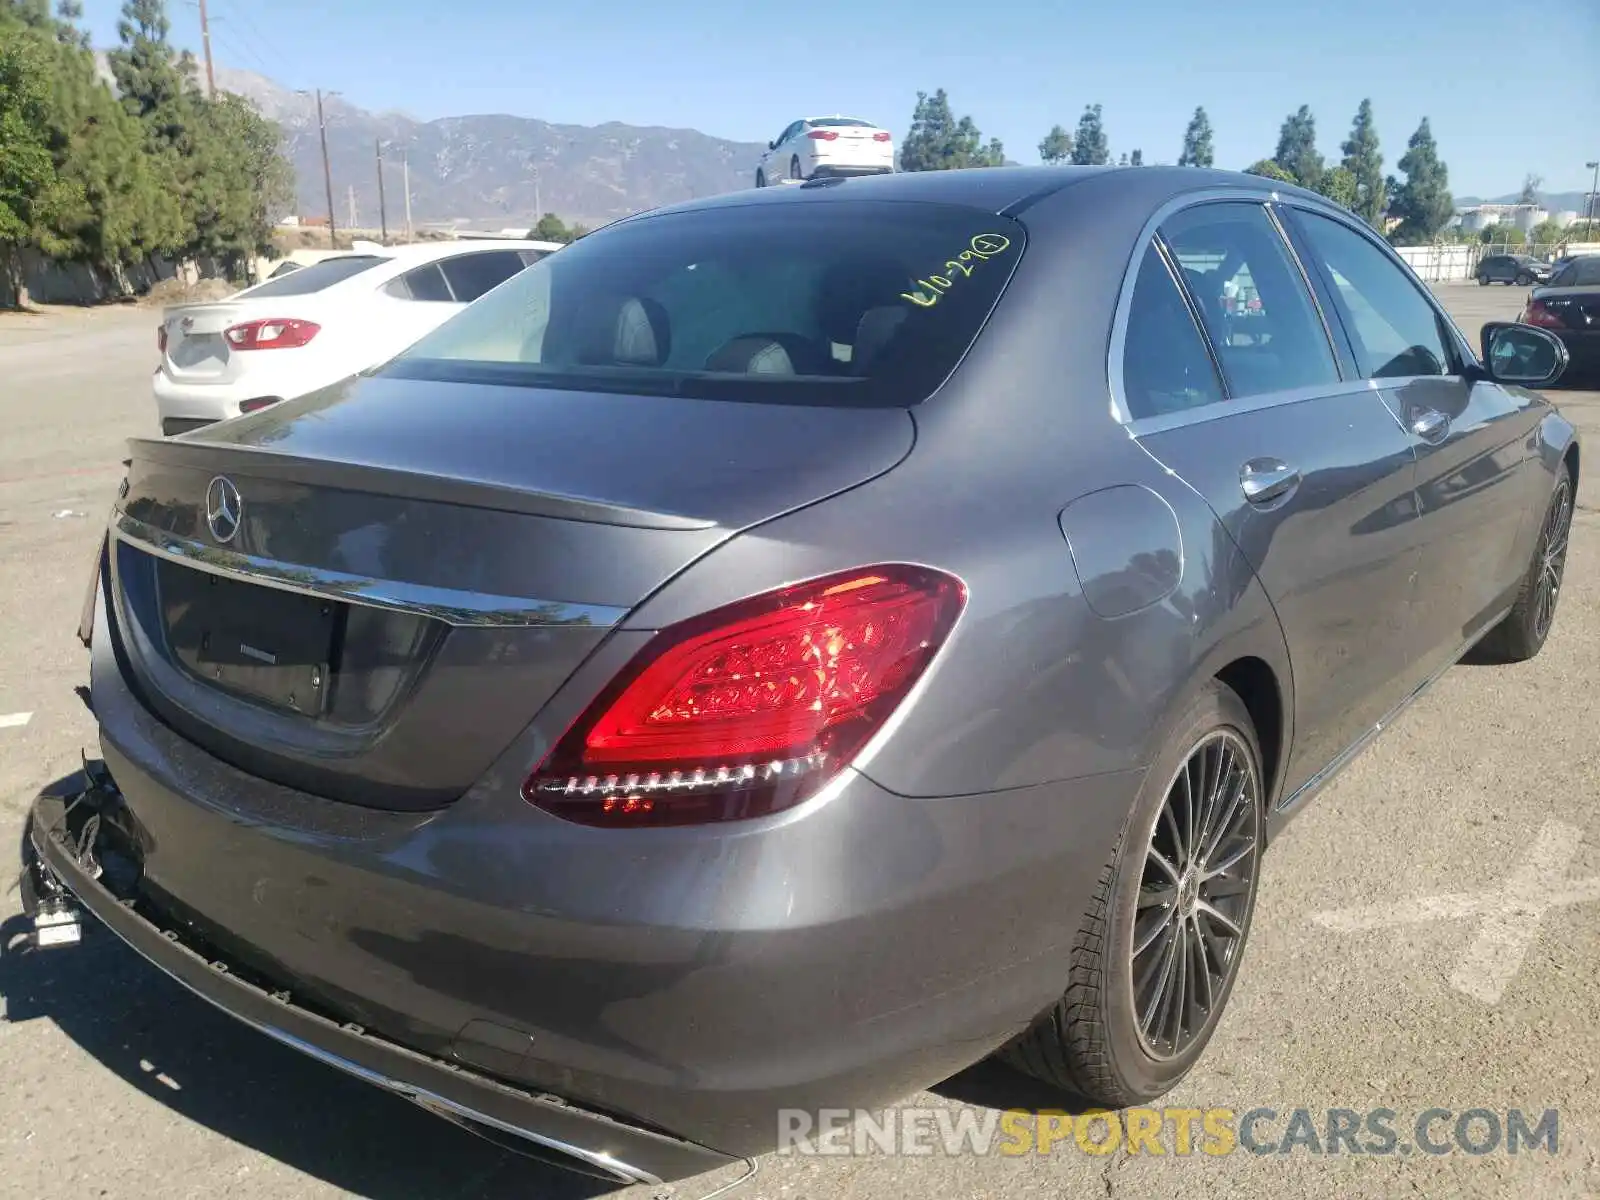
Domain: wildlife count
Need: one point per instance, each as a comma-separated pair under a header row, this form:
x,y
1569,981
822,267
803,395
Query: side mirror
x,y
1522,354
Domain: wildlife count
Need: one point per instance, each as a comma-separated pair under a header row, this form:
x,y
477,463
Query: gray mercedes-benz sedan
x,y
785,648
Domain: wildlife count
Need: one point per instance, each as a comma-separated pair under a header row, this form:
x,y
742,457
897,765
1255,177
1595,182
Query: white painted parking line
x,y
14,720
1511,914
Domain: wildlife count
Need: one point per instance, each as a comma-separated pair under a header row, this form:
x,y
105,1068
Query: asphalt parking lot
x,y
1428,933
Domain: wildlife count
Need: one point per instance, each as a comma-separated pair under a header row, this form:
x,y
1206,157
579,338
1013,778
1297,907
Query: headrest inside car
x,y
874,332
642,338
752,355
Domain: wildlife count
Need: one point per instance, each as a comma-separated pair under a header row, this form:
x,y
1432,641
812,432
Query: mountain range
x,y
500,172
492,171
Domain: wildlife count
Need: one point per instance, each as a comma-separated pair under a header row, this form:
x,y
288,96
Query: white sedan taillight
x,y
271,333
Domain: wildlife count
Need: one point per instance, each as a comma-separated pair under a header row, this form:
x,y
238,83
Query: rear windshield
x,y
836,303
318,275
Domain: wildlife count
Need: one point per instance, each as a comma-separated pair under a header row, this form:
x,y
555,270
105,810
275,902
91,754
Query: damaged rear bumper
x,y
539,1125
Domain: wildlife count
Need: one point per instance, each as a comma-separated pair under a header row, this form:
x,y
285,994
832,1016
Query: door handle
x,y
1430,424
1263,480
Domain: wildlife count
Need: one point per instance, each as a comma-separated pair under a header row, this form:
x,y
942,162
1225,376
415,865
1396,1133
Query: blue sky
x,y
1510,86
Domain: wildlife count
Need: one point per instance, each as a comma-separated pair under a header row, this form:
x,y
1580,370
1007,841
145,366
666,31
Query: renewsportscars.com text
x,y
1168,1131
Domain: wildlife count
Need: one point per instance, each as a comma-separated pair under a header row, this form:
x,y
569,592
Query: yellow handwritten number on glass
x,y
984,246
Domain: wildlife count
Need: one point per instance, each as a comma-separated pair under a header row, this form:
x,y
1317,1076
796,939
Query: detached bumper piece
x,y
78,838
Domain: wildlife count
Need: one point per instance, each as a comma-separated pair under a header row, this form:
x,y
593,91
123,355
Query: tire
x,y
1092,1043
1524,280
761,179
1483,281
794,168
1527,626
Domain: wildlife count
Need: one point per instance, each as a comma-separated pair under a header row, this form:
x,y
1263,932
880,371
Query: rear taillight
x,y
161,338
751,708
1538,313
880,137
273,333
822,135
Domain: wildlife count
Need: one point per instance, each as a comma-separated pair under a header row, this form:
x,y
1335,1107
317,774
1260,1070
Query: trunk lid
x,y
417,568
197,351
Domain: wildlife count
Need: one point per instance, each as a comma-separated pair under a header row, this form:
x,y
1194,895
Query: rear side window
x,y
1165,365
471,275
1252,298
318,275
425,283
834,303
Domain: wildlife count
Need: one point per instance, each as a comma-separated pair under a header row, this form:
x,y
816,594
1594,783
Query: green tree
x,y
1089,148
1339,185
939,142
1297,149
1508,235
1546,233
1197,150
1364,162
550,228
1056,147
1423,202
1136,159
30,188
1268,169
1123,161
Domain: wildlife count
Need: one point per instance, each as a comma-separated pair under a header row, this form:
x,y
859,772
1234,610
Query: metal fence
x,y
1458,263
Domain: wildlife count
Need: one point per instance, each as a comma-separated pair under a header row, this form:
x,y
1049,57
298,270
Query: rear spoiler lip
x,y
378,479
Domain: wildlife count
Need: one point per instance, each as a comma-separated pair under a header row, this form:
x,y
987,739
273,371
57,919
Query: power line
x,y
248,30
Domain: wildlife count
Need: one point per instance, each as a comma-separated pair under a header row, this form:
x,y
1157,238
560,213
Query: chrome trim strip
x,y
1143,426
1344,758
458,608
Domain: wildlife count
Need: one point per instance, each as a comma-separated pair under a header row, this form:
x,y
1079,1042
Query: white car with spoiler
x,y
826,147
312,327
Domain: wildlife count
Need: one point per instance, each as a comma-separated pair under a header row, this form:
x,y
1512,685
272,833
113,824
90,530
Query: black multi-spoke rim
x,y
1195,892
1552,558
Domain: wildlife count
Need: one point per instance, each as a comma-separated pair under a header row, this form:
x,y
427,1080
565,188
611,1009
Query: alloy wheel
x,y
1195,893
1552,558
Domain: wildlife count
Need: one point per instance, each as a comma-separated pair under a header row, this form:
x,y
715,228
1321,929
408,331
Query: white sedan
x,y
311,327
826,147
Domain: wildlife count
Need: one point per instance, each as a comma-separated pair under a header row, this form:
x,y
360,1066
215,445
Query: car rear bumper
x,y
689,983
549,1127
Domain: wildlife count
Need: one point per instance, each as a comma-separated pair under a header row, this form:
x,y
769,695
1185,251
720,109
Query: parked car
x,y
284,268
1569,307
772,655
306,328
1519,269
826,148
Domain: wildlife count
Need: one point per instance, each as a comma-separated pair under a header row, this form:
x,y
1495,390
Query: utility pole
x,y
205,39
405,168
1594,186
538,203
383,212
327,172
354,218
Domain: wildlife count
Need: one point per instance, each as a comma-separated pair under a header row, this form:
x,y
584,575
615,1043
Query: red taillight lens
x,y
1538,314
822,135
161,338
880,137
751,708
273,333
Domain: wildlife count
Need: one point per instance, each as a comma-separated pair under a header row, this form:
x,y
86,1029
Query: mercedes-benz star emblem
x,y
223,508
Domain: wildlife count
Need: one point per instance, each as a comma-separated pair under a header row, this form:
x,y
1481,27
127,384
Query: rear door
x,y
1469,435
1306,467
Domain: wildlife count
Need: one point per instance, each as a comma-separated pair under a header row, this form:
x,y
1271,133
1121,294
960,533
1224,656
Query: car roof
x,y
1007,190
418,252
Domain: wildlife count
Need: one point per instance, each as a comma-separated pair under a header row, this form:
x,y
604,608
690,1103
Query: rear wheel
x,y
1523,633
1159,948
1524,280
